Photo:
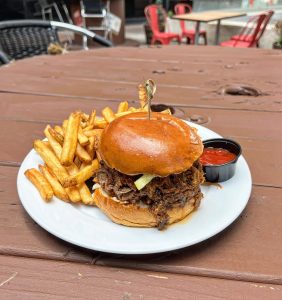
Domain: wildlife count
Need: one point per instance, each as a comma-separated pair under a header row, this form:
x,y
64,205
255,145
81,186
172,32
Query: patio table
x,y
243,261
206,17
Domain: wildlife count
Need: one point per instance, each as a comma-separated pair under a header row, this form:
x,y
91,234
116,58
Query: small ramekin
x,y
222,172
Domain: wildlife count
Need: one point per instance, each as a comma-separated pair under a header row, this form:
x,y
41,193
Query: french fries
x,y
41,183
93,132
92,117
100,124
51,160
82,154
58,190
70,140
73,194
83,140
84,117
55,145
85,194
91,147
59,129
56,135
108,114
79,151
123,107
82,175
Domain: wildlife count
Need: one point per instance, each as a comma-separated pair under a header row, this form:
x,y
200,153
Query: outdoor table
x,y
245,260
206,17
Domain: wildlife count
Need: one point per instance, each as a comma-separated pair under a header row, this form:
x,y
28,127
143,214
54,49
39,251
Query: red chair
x,y
152,14
251,33
248,35
181,9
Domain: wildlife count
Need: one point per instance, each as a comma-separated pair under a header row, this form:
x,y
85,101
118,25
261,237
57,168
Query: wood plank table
x,y
243,261
206,17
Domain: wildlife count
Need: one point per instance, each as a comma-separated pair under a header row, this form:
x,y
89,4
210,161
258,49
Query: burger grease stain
x,y
216,184
185,220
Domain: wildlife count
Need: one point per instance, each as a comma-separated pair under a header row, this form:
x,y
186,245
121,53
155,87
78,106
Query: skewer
x,y
151,88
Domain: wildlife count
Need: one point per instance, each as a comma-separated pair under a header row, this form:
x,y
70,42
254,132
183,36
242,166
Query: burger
x,y
149,173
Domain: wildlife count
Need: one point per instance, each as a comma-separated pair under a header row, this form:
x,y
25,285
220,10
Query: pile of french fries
x,y
70,156
70,152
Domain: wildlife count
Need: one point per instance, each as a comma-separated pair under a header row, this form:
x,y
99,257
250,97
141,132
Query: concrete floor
x,y
135,32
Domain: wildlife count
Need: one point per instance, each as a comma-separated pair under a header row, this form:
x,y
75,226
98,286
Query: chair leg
x,y
165,41
205,39
84,38
43,14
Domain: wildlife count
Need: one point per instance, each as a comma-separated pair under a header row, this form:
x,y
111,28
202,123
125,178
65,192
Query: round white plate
x,y
88,227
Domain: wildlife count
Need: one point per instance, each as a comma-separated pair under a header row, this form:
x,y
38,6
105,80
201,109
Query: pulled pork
x,y
160,195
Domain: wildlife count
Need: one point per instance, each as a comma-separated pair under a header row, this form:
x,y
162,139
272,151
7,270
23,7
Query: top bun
x,y
163,145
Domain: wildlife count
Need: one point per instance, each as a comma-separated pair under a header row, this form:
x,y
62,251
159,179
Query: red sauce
x,y
216,156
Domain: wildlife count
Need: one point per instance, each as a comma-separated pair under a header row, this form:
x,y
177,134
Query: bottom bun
x,y
137,216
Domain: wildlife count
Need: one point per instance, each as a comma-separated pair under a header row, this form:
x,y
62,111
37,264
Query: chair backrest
x,y
152,13
93,7
255,27
268,16
25,38
181,9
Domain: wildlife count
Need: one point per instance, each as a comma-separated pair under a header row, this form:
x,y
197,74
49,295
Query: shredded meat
x,y
161,194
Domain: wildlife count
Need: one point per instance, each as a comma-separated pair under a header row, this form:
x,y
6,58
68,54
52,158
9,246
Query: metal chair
x,y
46,8
251,33
190,34
152,13
97,10
26,38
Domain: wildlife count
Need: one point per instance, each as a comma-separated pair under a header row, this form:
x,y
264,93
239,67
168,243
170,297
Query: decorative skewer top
x,y
146,94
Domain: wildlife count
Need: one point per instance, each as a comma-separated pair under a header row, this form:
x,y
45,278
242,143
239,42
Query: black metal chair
x,y
97,10
26,38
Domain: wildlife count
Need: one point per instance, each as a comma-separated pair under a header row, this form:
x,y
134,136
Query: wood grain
x,y
19,107
23,278
218,257
188,78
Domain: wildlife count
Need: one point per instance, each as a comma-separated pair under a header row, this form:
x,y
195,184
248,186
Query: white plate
x,y
88,227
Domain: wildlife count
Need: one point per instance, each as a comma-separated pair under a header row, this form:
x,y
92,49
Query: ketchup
x,y
216,156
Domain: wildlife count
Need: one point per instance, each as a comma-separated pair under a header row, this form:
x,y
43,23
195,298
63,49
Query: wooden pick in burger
x,y
151,88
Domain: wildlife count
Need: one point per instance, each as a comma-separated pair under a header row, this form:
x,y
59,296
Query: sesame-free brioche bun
x,y
163,145
138,216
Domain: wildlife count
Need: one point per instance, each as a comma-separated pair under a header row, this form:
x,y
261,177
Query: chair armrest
x,y
97,38
102,41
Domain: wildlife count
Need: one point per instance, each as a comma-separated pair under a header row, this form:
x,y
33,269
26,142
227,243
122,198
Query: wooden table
x,y
243,260
206,17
